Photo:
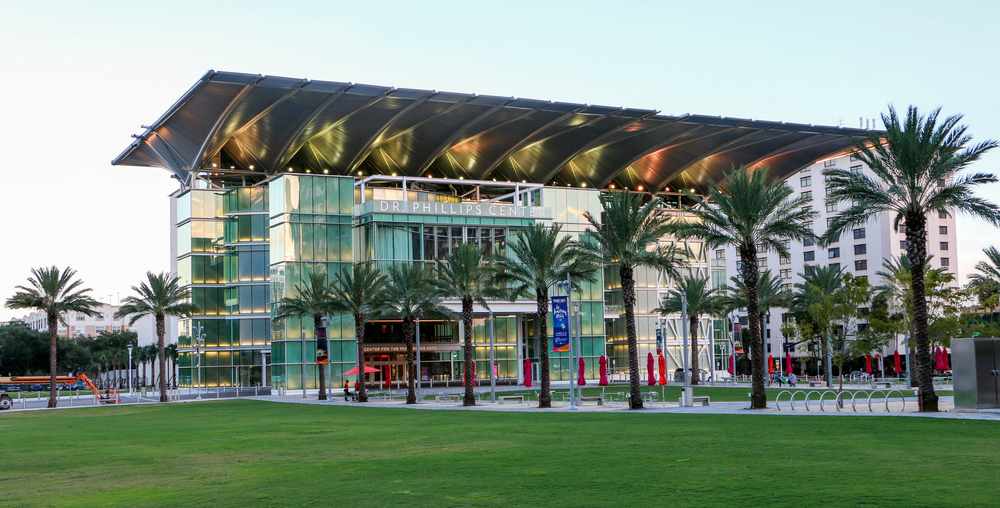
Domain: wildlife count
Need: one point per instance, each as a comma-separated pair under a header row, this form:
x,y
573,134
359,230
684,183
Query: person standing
x,y
791,379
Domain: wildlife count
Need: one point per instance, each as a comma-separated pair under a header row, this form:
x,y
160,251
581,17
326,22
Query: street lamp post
x,y
568,286
200,339
493,381
130,369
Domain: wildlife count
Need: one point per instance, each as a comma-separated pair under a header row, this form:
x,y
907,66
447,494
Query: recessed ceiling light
x,y
251,166
214,165
584,184
359,173
640,187
612,186
326,171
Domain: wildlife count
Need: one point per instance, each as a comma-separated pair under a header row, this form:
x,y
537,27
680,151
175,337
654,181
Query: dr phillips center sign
x,y
485,209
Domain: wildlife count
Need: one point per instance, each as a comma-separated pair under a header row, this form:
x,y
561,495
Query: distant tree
x,y
701,300
815,299
360,292
23,351
55,293
313,300
159,296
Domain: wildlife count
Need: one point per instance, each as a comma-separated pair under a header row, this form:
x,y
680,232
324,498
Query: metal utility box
x,y
976,370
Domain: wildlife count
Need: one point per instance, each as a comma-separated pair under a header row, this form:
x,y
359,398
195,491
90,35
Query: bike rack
x,y
825,392
807,400
793,397
901,397
872,394
777,400
854,396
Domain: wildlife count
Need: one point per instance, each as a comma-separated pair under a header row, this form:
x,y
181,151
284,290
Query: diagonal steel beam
x,y
455,136
784,151
270,107
526,141
439,114
233,104
369,145
665,143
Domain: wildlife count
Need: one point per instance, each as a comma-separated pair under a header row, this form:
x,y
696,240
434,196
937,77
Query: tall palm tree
x,y
314,300
916,162
628,237
465,276
160,295
819,283
537,257
411,295
359,293
770,295
172,355
701,299
55,293
753,213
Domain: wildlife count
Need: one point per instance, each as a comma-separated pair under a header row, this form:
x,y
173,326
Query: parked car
x,y
12,388
74,386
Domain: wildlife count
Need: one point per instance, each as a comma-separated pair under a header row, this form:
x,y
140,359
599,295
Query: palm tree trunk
x,y
53,364
318,323
161,355
409,334
628,302
758,399
827,363
916,250
542,309
470,372
359,334
695,371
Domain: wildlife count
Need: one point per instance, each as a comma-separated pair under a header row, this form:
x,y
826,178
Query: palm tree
x,y
538,257
629,238
916,162
160,295
173,354
754,213
700,300
55,293
410,295
988,270
464,276
359,293
314,300
770,295
814,299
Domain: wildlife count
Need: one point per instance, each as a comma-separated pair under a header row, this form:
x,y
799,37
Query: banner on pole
x,y
560,324
659,339
322,357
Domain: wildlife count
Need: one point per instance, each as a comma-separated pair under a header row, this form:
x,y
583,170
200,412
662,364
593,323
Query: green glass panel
x,y
305,194
293,351
319,194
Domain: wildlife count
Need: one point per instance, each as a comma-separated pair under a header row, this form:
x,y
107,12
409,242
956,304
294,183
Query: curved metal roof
x,y
260,125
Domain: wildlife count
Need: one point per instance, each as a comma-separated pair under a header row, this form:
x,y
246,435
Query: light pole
x,y
129,366
567,285
732,346
199,340
493,384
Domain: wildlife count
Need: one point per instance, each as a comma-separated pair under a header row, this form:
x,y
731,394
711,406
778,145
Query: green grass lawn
x,y
255,453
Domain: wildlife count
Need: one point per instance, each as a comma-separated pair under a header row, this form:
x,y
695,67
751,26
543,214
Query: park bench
x,y
817,384
881,384
598,400
453,397
705,400
512,398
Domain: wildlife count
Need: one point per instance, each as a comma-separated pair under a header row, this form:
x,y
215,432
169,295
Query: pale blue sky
x,y
78,78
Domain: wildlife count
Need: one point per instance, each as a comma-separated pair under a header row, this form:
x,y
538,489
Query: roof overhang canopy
x,y
253,125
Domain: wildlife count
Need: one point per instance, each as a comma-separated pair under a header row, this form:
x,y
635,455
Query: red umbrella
x,y
527,372
788,363
581,381
868,364
604,371
368,370
770,364
895,359
731,368
388,376
663,370
944,359
649,367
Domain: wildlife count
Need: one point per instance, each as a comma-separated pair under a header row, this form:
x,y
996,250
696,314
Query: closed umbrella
x,y
770,364
939,356
731,364
649,368
663,370
895,360
788,363
581,381
868,364
527,372
388,375
944,359
604,371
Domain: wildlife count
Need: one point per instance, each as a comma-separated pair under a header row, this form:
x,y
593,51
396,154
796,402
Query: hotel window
x,y
762,263
805,169
944,245
786,273
786,244
835,266
831,207
829,163
806,181
854,158
80,317
860,249
902,244
833,253
809,256
100,317
116,329
829,221
739,265
100,329
861,265
943,230
785,260
807,195
945,262
785,288
808,224
720,254
856,169
808,242
79,330
859,233
942,215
